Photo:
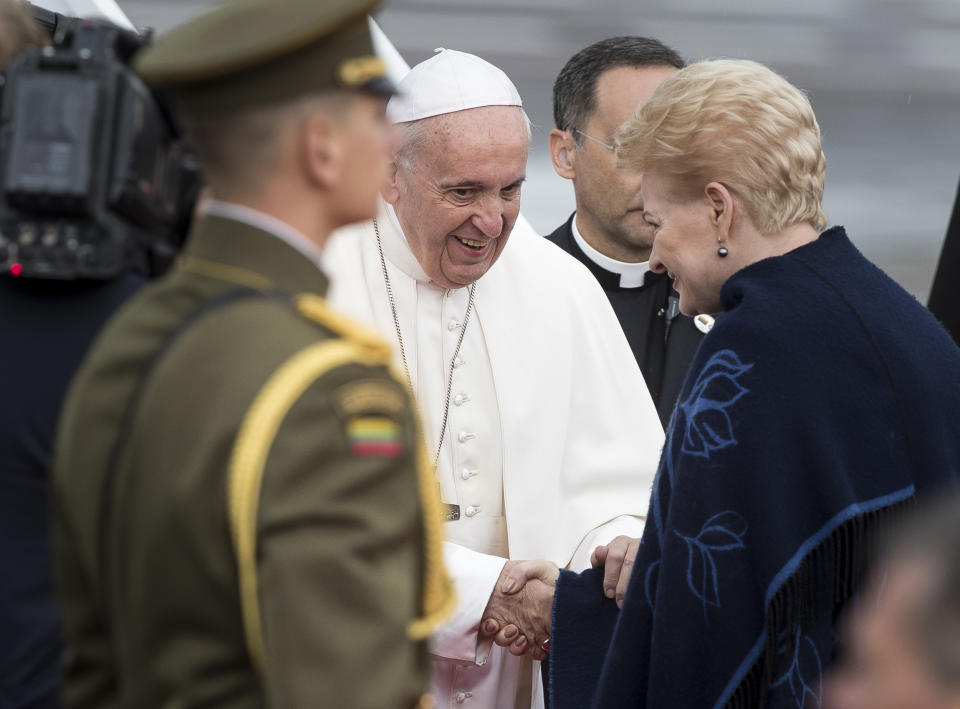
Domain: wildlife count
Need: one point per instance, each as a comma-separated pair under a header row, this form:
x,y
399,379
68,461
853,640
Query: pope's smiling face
x,y
457,195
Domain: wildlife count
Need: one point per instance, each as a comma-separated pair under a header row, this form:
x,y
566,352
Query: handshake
x,y
519,612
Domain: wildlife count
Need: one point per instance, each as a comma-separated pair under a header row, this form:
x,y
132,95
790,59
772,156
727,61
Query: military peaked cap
x,y
253,52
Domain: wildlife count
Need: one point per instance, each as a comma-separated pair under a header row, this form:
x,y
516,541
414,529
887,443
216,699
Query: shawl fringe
x,y
840,562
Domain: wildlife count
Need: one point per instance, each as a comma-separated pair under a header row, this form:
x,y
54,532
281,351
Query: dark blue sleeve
x,y
583,622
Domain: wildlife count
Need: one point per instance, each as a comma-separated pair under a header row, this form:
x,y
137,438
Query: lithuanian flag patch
x,y
374,436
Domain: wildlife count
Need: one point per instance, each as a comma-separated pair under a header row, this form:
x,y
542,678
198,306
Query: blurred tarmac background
x,y
883,76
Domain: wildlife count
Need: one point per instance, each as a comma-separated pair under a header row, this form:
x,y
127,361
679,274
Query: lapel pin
x,y
704,323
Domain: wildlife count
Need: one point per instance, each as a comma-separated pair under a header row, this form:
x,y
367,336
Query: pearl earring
x,y
722,252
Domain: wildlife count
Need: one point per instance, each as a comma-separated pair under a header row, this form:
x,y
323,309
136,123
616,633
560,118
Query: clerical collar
x,y
631,274
392,213
396,248
264,222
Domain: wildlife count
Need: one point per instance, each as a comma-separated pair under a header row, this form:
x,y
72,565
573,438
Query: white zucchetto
x,y
447,82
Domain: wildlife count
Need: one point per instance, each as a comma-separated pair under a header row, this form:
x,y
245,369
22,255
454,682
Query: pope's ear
x,y
321,152
562,153
390,191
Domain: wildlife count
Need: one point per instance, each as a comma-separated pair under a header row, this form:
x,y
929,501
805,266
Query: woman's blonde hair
x,y
738,123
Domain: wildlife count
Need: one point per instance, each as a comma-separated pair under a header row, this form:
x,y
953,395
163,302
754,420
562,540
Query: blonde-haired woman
x,y
823,402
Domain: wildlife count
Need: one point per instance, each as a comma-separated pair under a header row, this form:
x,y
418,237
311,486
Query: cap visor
x,y
381,86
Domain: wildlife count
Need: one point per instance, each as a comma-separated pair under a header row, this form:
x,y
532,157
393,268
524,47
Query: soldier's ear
x,y
562,153
321,153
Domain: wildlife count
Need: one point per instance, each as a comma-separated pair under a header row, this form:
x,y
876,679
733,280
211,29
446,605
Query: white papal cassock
x,y
552,439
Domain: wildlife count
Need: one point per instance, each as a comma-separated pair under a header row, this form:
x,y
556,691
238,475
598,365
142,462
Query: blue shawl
x,y
825,400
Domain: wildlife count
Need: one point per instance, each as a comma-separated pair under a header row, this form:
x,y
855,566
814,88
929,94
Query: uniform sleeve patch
x,y
369,396
374,436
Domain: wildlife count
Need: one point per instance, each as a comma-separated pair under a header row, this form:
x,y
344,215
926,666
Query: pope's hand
x,y
617,560
518,614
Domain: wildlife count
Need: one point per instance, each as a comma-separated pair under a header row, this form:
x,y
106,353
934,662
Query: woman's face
x,y
686,235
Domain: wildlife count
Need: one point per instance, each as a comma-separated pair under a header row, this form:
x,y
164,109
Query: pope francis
x,y
544,435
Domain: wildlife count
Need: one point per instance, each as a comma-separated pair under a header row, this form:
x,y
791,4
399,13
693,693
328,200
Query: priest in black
x,y
662,340
596,92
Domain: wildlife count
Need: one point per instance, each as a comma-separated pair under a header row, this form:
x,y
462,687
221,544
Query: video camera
x,y
94,178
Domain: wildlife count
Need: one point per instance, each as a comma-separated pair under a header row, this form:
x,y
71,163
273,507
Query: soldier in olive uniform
x,y
243,516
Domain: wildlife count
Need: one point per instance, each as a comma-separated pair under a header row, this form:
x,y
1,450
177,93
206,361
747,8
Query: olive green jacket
x,y
257,527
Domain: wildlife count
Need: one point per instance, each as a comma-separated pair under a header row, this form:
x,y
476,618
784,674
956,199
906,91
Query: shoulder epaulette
x,y
317,309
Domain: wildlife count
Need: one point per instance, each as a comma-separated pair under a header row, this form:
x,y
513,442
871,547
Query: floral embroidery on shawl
x,y
805,666
722,532
708,425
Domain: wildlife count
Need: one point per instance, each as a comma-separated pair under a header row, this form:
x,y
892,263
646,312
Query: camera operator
x,y
46,327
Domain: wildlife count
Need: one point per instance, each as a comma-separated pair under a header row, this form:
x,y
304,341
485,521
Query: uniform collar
x,y
240,252
631,275
264,222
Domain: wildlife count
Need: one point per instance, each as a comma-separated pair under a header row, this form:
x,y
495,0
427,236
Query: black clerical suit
x,y
662,340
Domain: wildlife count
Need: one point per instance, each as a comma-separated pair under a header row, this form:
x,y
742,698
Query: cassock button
x,y
466,473
465,436
453,325
459,362
460,399
473,510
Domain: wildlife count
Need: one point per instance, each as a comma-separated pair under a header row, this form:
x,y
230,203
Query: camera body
x,y
94,179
